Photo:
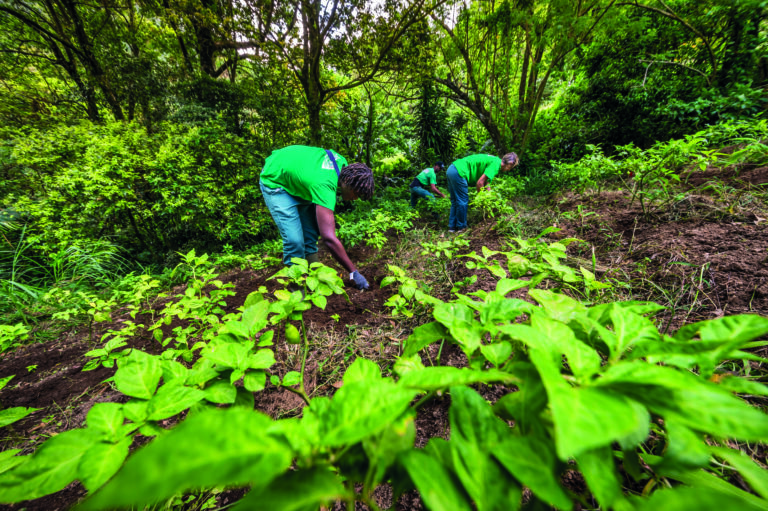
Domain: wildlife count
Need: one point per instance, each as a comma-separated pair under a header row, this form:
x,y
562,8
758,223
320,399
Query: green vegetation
x,y
595,340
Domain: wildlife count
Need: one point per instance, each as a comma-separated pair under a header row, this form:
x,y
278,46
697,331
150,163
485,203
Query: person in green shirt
x,y
299,185
426,178
477,170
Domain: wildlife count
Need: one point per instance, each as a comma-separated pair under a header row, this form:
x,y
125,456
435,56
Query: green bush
x,y
149,193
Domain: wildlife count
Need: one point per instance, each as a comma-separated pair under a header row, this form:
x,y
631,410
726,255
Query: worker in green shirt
x,y
299,185
477,170
426,179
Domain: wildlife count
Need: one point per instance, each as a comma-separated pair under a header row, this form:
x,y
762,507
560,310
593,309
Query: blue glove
x,y
359,280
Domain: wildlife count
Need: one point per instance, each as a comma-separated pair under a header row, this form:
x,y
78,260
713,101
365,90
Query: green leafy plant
x,y
409,293
443,252
200,306
7,417
108,354
313,283
12,336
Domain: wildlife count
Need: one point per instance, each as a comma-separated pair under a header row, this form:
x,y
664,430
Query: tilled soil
x,y
713,264
710,267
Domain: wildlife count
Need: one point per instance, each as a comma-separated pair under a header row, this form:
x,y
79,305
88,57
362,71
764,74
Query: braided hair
x,y
359,178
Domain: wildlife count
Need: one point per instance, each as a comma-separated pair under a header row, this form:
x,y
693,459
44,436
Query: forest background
x,y
143,125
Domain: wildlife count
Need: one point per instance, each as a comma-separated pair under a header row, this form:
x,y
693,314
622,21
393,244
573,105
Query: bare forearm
x,y
338,252
437,192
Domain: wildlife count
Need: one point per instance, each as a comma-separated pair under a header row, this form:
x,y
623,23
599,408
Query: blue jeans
x,y
296,220
459,191
418,192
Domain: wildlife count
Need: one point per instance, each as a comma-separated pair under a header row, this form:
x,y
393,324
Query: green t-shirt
x,y
473,167
427,177
305,172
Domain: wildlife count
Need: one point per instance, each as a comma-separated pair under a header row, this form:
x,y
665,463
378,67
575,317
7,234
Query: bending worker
x,y
426,178
477,170
299,185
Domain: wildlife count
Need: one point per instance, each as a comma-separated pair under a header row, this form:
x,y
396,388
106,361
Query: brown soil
x,y
711,263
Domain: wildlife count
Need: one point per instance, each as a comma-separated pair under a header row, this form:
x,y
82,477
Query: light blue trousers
x,y
417,192
296,220
458,188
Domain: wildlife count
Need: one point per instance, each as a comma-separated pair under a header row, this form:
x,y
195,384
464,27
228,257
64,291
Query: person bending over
x,y
425,182
299,185
477,170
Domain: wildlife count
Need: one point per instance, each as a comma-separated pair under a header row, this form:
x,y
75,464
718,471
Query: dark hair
x,y
360,178
510,158
440,164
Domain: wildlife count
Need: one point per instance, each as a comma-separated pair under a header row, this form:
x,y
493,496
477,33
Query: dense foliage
x,y
133,135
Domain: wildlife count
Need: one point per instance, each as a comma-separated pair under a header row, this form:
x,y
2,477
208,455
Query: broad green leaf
x,y
362,370
678,394
361,409
217,447
505,286
52,467
727,329
262,359
460,322
8,459
320,301
685,448
630,329
588,417
221,392
423,336
739,385
436,378
435,484
296,491
135,410
172,399
754,474
558,306
255,381
266,338
255,317
173,372
4,381
407,364
599,471
532,462
475,434
504,310
227,354
237,329
527,404
252,299
384,448
138,375
106,419
497,353
11,415
685,498
292,378
583,360
101,462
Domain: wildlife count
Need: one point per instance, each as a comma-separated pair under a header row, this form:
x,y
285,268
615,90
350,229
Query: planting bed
x,y
702,263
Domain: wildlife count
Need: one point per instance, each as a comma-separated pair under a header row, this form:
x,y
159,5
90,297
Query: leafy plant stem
x,y
424,399
440,351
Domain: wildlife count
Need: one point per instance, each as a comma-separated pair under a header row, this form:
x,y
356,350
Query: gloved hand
x,y
359,280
